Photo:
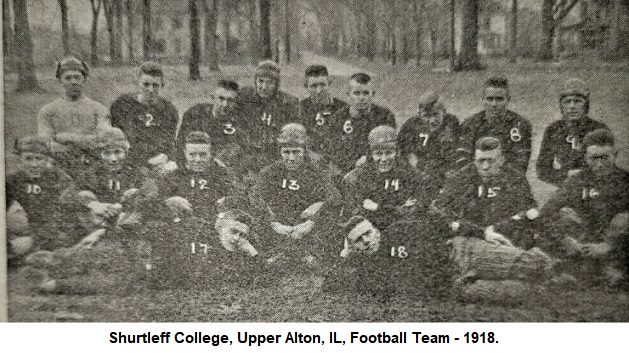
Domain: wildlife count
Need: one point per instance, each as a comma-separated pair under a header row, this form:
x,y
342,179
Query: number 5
x,y
347,127
319,119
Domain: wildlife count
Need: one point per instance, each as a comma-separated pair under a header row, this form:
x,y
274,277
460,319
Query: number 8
x,y
515,135
347,127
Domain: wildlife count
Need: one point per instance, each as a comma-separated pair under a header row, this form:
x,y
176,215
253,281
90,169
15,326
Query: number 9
x,y
347,127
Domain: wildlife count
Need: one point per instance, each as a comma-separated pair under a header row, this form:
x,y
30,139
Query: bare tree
x,y
65,31
266,51
96,5
27,80
130,10
418,14
210,9
146,30
553,12
468,57
618,45
195,41
513,32
452,34
8,44
118,30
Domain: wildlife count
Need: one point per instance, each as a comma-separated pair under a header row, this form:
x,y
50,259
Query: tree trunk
x,y
96,4
108,8
8,45
452,37
617,48
254,34
418,13
266,51
130,9
27,80
146,30
210,9
513,32
548,31
195,41
468,58
118,31
287,30
65,31
370,26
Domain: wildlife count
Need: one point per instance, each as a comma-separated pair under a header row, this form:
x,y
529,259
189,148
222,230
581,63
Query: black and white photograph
x,y
316,161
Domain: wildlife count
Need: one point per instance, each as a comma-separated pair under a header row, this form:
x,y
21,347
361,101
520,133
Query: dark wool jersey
x,y
434,147
389,190
348,135
466,197
150,129
264,118
39,197
288,193
596,201
201,189
316,119
109,186
513,131
562,148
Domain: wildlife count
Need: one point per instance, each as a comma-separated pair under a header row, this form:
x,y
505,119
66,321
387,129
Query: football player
x,y
561,152
315,110
429,140
71,122
588,216
148,120
513,131
350,125
266,109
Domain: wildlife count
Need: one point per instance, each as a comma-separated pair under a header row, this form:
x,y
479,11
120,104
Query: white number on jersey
x,y
394,183
266,118
574,142
320,118
149,120
33,189
203,248
515,135
399,251
491,192
590,193
229,129
290,184
347,127
201,182
114,184
424,138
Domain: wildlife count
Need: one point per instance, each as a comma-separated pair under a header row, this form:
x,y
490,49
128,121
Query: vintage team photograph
x,y
316,160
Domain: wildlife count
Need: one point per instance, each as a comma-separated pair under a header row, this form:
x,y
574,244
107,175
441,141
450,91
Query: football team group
x,y
255,185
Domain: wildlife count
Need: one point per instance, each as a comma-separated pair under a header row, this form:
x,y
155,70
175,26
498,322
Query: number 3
x,y
229,129
290,184
347,127
515,135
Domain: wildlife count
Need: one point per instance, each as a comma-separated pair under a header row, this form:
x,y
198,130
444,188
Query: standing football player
x,y
513,131
71,122
315,110
148,120
350,126
266,109
429,140
561,152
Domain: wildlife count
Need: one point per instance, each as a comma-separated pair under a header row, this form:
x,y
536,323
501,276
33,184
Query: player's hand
x,y
572,172
596,250
410,203
159,159
311,210
302,229
166,168
361,161
89,241
104,210
282,229
369,205
21,245
572,247
493,237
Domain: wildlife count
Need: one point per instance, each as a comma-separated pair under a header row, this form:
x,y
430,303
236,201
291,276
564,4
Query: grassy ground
x,y
534,89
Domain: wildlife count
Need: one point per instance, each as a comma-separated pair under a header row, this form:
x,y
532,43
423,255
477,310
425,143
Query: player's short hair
x,y
361,78
599,137
198,137
316,71
229,85
152,69
487,143
497,82
71,63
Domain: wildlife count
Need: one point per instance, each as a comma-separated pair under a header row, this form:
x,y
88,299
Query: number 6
x,y
347,127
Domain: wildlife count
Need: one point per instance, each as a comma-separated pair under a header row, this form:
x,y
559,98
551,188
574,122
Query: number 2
x,y
149,120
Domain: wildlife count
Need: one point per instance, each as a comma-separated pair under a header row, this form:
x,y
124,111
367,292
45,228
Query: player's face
x,y
489,163
266,87
319,88
72,81
198,156
433,118
34,164
384,159
364,240
495,100
149,88
224,101
293,157
573,107
360,96
113,158
600,159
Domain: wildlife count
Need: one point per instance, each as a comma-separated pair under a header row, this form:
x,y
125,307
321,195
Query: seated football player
x,y
347,145
35,216
298,199
587,219
561,153
481,208
429,140
266,109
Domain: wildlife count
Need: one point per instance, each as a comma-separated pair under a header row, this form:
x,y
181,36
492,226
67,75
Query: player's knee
x,y
568,214
620,222
17,220
87,195
21,245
